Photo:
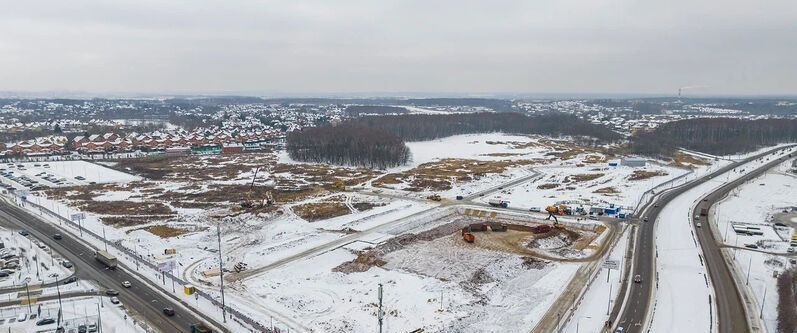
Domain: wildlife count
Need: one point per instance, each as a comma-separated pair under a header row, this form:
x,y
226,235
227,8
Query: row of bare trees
x,y
348,144
417,127
720,136
787,307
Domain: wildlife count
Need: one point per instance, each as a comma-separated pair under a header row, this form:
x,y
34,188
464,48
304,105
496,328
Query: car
x,y
459,197
593,217
790,250
70,279
4,274
23,232
697,217
82,329
645,219
751,246
41,246
115,300
656,206
22,317
112,292
637,278
45,321
698,224
93,327
126,284
57,237
534,209
168,312
620,330
67,264
705,199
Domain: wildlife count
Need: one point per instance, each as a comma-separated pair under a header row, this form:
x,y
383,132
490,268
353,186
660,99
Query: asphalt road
x,y
730,307
143,300
635,309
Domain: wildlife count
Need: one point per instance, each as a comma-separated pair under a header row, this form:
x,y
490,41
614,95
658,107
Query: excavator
x,y
248,203
555,210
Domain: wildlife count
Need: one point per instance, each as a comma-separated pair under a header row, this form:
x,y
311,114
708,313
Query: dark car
x,y
82,329
70,279
168,312
111,292
57,236
45,321
459,197
23,232
66,264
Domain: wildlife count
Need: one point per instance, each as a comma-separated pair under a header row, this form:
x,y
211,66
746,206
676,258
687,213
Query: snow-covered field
x,y
624,192
291,257
66,172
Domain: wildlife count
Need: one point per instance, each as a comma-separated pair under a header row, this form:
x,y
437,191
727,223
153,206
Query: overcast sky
x,y
379,46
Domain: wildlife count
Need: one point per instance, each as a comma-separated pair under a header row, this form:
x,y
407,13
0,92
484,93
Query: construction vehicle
x,y
434,197
248,203
105,258
541,229
200,328
339,185
498,202
468,237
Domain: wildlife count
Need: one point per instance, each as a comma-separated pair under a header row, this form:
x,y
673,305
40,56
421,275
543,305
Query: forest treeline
x,y
348,144
378,141
418,127
719,136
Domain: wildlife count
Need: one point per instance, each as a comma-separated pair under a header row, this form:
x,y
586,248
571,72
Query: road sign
x,y
77,216
167,266
611,264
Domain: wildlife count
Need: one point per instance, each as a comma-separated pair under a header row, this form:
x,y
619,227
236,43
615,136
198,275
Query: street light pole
x,y
221,273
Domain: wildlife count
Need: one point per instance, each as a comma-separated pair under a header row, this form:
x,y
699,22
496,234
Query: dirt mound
x,y
533,263
362,263
555,239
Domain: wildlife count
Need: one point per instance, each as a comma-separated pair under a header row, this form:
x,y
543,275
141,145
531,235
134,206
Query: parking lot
x,y
39,176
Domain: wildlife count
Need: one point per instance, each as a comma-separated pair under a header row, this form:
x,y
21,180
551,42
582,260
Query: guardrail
x,y
235,314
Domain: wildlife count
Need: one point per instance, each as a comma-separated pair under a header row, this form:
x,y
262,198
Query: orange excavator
x,y
468,237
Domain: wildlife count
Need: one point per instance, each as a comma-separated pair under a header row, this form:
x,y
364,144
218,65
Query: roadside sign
x,y
611,264
166,266
77,216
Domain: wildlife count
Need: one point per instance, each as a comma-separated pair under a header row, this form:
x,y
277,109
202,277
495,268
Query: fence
x,y
235,314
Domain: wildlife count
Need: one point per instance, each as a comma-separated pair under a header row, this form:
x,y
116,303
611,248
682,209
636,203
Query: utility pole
x,y
221,273
27,290
99,318
60,307
749,264
761,313
104,242
379,313
609,303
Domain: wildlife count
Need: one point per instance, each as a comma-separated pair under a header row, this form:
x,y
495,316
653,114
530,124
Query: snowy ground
x,y
593,308
30,254
629,192
682,294
63,171
76,311
754,204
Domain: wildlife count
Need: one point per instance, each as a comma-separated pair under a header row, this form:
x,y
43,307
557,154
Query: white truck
x,y
498,202
106,258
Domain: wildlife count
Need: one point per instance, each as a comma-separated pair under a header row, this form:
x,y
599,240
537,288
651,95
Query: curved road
x,y
730,306
636,307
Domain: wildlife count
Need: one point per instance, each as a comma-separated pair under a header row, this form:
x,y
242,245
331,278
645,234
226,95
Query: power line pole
x,y
221,274
379,313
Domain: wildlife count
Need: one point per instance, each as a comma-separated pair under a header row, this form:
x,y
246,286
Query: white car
x,y
115,300
126,284
698,224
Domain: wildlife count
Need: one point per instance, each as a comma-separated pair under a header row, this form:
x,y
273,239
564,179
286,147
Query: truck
x,y
498,202
106,258
703,211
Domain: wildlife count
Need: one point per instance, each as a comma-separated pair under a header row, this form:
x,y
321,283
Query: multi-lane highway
x,y
143,301
635,308
730,306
